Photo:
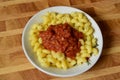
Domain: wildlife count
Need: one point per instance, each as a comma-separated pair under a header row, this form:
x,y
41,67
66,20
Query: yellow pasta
x,y
74,21
41,54
39,27
49,58
90,31
64,64
45,63
36,46
46,51
85,55
35,26
58,64
59,16
72,63
80,15
40,40
33,43
87,24
88,42
81,29
89,38
81,60
95,51
82,47
33,38
84,20
94,42
89,48
58,22
73,14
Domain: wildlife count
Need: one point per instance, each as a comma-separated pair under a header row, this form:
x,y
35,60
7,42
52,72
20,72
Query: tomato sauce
x,y
62,38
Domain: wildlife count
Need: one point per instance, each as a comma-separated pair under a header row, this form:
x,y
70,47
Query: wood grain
x,y
14,14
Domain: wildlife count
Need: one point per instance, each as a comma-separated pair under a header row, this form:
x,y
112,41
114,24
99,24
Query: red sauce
x,y
62,38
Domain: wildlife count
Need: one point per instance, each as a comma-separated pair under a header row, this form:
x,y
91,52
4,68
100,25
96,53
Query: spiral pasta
x,y
50,58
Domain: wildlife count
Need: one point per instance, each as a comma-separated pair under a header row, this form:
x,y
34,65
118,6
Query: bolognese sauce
x,y
62,38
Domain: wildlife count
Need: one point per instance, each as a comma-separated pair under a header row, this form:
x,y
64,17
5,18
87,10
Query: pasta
x,y
57,59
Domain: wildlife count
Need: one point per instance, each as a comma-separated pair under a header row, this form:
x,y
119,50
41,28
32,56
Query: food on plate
x,y
63,40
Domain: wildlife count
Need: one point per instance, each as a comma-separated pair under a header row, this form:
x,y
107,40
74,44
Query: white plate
x,y
54,71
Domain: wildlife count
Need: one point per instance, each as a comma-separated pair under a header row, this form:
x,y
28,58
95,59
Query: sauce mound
x,y
62,38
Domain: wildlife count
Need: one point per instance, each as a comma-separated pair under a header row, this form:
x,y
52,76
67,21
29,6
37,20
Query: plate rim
x,y
52,74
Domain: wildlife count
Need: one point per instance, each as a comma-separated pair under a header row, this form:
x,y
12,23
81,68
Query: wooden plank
x,y
2,27
91,74
10,42
14,14
17,16
13,2
18,58
59,2
16,68
11,32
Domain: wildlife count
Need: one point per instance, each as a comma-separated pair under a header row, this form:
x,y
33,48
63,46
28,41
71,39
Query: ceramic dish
x,y
54,71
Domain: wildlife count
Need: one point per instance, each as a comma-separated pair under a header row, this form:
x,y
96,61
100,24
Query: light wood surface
x,y
14,14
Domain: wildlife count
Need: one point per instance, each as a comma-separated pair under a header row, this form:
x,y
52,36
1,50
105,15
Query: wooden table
x,y
14,14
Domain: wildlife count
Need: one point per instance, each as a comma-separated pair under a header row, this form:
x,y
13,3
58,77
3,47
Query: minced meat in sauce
x,y
62,38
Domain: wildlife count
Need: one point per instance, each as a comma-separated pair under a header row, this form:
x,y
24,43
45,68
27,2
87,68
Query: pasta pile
x,y
52,59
